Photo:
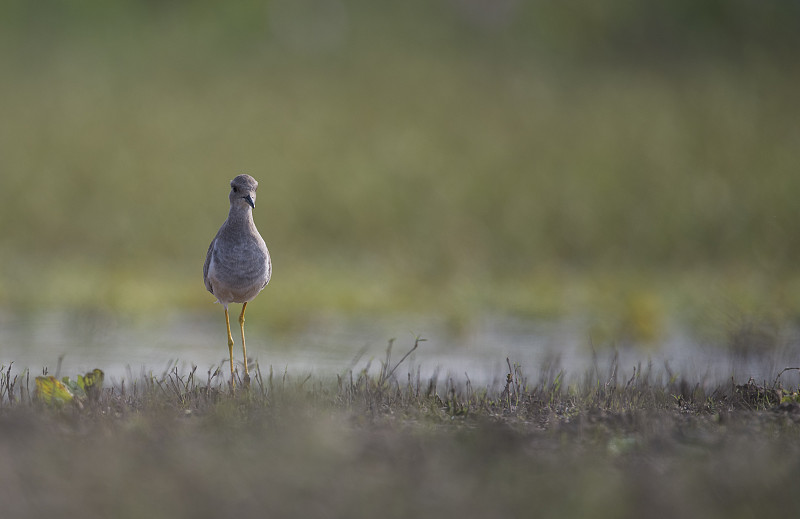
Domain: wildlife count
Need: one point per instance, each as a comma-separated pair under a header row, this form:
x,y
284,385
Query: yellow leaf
x,y
91,381
52,391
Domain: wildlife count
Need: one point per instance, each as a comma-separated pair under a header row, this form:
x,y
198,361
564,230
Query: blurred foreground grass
x,y
608,444
452,157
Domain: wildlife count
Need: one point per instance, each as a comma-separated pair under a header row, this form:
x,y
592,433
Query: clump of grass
x,y
387,392
389,442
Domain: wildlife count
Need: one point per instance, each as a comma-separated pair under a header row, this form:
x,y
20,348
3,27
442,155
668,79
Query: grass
x,y
369,442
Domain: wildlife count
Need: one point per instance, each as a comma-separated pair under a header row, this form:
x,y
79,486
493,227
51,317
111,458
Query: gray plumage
x,y
237,264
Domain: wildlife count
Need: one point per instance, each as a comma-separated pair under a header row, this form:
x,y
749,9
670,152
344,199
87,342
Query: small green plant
x,y
56,392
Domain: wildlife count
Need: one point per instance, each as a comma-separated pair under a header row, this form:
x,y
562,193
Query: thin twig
x,y
416,345
781,373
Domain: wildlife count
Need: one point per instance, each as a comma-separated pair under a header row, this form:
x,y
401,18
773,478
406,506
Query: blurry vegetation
x,y
610,444
452,156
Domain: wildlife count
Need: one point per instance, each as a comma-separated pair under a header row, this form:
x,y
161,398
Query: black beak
x,y
250,201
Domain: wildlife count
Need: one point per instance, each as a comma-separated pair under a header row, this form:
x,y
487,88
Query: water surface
x,y
334,344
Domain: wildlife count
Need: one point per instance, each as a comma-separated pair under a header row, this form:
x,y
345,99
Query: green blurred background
x,y
629,159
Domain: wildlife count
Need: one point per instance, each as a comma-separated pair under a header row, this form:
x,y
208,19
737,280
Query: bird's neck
x,y
240,215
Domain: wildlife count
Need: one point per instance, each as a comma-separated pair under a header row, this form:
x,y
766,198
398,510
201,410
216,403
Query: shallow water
x,y
333,345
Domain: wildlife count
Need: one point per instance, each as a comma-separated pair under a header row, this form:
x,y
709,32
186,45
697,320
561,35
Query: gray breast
x,y
239,268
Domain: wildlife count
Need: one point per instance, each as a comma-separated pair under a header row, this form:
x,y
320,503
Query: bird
x,y
238,265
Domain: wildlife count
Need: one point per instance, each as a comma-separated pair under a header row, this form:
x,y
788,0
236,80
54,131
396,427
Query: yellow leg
x,y
244,348
230,346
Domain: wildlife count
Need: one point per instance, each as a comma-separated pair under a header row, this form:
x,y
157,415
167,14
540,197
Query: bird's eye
x,y
235,189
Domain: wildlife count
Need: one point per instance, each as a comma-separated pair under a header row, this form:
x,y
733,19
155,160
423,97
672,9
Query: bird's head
x,y
243,191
